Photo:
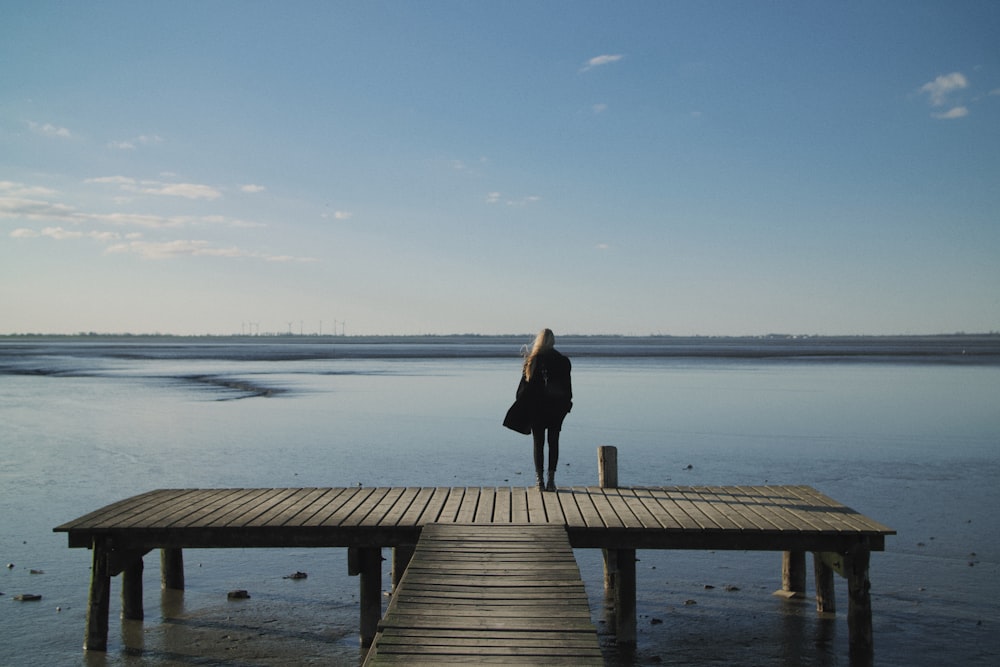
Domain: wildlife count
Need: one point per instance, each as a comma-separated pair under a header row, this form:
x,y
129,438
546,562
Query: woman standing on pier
x,y
548,391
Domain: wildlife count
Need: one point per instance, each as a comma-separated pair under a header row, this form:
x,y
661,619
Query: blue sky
x,y
716,168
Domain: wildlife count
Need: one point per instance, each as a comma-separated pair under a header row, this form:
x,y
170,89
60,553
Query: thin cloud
x,y
165,250
252,189
132,144
600,61
159,188
497,198
599,108
951,114
49,130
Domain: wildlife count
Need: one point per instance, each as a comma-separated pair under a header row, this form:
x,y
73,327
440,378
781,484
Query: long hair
x,y
544,341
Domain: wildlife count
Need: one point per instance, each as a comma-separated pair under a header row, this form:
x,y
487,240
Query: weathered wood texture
x,y
773,518
482,594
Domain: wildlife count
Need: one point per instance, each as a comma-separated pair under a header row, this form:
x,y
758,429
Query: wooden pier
x,y
794,520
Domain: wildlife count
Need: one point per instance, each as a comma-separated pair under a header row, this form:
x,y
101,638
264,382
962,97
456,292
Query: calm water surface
x,y
912,440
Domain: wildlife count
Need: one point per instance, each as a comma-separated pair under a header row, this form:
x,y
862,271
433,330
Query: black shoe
x,y
551,486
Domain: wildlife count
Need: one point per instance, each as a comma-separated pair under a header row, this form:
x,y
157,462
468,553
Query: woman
x,y
546,388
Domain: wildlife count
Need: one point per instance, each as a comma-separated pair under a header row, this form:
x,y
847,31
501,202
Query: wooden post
x,y
172,569
607,467
367,562
619,564
826,599
859,605
99,600
132,590
607,478
401,556
625,624
793,574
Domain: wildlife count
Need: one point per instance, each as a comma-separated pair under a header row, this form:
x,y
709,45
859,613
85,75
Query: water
x,y
906,431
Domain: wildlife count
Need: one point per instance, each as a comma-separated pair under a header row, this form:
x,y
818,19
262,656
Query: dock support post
x,y
367,562
99,599
826,599
132,590
401,556
859,605
625,623
172,569
793,574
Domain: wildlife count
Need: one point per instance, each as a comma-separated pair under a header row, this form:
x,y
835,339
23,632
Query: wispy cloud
x,y
940,93
37,209
27,203
159,188
599,61
950,114
252,189
163,250
498,198
132,144
49,130
599,108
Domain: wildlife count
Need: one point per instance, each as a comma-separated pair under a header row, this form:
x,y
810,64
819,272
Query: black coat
x,y
549,393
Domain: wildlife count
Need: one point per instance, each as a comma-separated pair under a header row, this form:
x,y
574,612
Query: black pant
x,y
538,435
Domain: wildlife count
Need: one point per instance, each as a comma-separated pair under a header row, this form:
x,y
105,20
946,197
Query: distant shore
x,y
943,348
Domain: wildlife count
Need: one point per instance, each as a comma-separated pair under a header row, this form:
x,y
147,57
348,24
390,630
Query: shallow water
x,y
911,439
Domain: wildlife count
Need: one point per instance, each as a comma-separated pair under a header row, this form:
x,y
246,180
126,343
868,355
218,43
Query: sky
x,y
674,167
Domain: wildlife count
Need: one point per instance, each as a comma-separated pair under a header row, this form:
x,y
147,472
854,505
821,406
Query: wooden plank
x,y
502,506
718,513
452,505
519,504
467,510
663,500
407,499
435,505
376,516
317,513
484,510
337,516
586,509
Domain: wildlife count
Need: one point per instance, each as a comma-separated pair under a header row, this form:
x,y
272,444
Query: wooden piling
x,y
401,556
859,605
132,590
826,601
793,574
172,569
619,564
366,562
99,599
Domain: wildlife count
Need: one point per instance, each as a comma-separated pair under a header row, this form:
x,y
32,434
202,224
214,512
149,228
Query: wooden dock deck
x,y
790,519
489,594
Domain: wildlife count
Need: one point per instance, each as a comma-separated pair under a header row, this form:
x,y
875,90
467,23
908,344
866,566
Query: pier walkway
x,y
790,519
481,594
